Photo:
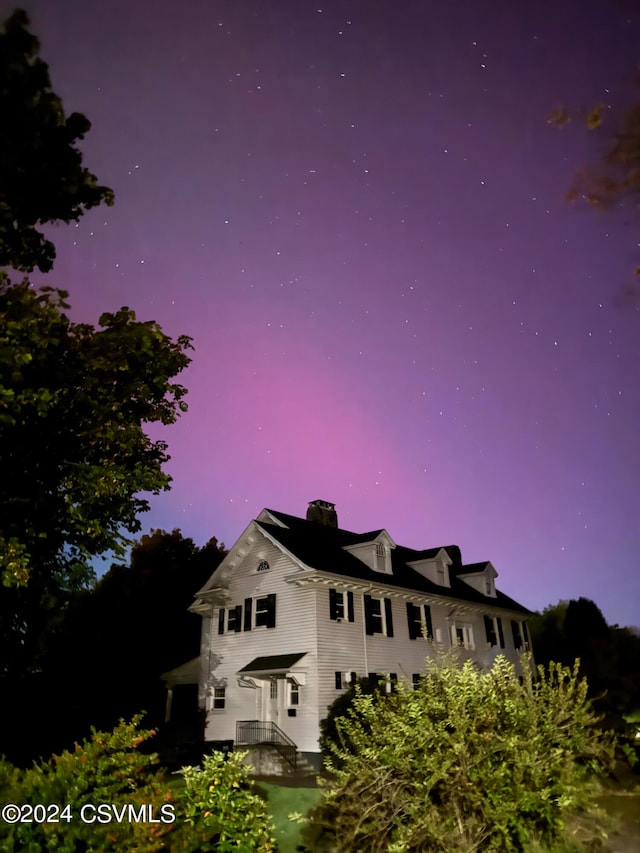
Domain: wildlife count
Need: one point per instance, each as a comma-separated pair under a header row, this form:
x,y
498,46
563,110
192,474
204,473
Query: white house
x,y
299,608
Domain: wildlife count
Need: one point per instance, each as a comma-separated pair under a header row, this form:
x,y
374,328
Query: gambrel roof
x,y
322,547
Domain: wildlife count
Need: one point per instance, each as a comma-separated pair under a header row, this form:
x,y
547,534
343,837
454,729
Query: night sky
x,y
356,209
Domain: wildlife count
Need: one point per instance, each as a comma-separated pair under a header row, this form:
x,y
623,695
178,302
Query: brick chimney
x,y
322,512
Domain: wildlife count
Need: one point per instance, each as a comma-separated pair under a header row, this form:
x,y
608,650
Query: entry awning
x,y
271,664
186,673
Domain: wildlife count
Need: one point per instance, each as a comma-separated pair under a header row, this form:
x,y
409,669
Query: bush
x,y
330,733
107,768
222,807
214,810
469,761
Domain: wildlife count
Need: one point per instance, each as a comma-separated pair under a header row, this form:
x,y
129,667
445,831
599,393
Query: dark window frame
x,y
339,608
265,611
417,617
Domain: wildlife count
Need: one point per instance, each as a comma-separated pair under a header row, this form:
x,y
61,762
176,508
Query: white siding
x,y
303,625
295,632
345,647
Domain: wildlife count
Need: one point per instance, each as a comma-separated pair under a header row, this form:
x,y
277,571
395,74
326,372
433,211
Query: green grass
x,y
281,802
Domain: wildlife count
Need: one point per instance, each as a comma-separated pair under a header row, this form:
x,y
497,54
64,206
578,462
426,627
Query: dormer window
x,y
440,574
488,587
263,566
374,552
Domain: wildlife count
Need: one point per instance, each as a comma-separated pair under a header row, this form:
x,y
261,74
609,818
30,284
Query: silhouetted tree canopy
x,y
74,454
609,655
105,659
41,174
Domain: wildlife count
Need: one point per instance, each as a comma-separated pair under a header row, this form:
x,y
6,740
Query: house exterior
x,y
299,608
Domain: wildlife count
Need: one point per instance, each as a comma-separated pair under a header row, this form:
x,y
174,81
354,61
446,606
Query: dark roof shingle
x,y
322,548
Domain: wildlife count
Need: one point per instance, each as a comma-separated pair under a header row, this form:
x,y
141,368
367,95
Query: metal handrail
x,y
266,733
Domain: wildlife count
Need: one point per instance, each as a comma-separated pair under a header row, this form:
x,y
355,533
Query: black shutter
x,y
221,621
500,632
354,678
525,632
368,622
393,678
388,617
490,630
374,678
248,604
515,630
238,626
338,676
350,615
429,623
333,610
413,620
271,610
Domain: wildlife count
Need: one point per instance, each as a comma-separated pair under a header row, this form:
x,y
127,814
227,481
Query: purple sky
x,y
356,208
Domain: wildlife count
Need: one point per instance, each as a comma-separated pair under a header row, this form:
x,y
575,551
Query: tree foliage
x,y
469,761
74,454
106,658
613,178
609,655
41,174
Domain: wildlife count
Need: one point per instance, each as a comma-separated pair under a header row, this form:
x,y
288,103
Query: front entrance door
x,y
274,689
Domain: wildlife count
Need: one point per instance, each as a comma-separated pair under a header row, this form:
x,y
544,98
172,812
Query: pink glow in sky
x,y
356,209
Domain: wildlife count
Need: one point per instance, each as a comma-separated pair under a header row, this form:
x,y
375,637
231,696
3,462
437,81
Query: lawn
x,y
281,802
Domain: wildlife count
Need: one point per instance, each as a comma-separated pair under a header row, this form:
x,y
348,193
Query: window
x,y
419,621
517,636
387,682
493,630
265,611
462,635
488,587
234,619
415,680
263,566
294,692
378,616
380,552
440,574
219,695
341,606
273,688
344,679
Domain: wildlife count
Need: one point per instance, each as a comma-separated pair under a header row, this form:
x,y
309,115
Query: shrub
x,y
107,768
214,810
330,733
222,807
469,761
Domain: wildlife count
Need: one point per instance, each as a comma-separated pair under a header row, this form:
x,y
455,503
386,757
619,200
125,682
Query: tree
x,y
609,656
104,668
74,454
613,179
41,174
469,760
